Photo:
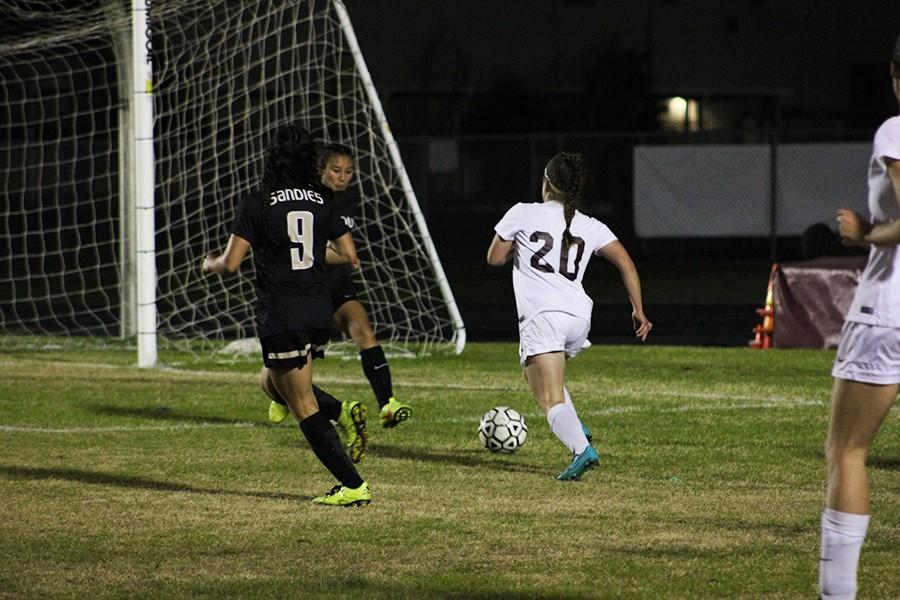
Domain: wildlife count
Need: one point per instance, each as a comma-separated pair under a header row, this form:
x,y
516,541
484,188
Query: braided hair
x,y
565,174
289,162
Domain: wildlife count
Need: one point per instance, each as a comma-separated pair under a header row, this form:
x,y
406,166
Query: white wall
x,y
725,191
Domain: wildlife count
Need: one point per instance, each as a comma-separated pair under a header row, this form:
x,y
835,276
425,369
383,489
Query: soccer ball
x,y
502,429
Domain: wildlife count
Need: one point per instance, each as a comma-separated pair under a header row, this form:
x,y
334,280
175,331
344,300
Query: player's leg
x,y
295,386
577,331
350,416
544,373
278,408
567,398
546,341
351,318
857,412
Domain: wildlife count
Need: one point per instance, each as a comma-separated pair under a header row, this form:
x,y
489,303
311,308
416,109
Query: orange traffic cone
x,y
765,330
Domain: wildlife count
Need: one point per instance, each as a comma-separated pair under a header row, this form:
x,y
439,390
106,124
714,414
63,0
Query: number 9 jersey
x,y
288,237
547,277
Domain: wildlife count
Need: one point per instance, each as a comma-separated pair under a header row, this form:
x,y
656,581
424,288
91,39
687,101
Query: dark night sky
x,y
803,49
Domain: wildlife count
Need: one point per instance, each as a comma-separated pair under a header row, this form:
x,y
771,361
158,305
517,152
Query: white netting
x,y
226,76
58,172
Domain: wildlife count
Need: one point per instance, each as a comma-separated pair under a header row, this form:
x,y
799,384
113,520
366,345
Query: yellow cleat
x,y
352,422
344,496
394,412
278,412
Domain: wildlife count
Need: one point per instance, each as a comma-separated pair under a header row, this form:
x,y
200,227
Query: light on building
x,y
682,113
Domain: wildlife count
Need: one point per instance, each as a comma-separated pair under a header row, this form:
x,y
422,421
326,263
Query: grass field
x,y
118,482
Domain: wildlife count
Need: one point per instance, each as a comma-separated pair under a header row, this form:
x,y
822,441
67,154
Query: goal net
x,y
225,76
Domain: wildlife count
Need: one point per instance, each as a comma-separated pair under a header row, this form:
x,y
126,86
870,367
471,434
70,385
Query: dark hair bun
x,y
288,136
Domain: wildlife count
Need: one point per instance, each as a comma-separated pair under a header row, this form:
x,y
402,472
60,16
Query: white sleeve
x,y
887,140
508,226
602,235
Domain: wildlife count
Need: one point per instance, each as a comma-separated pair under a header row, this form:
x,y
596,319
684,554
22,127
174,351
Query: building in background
x,y
446,68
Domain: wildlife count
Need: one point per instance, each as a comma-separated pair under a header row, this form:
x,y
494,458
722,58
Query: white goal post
x,y
129,132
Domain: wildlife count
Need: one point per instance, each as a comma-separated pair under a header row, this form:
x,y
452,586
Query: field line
x,y
126,428
610,390
612,410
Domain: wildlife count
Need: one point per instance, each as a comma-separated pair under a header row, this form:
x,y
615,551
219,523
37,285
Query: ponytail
x,y
565,172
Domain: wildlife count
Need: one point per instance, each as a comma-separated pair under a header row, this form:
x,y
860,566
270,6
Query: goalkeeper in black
x,y
335,165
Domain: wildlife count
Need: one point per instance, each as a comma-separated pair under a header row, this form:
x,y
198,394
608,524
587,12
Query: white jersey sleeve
x,y
887,141
509,224
602,235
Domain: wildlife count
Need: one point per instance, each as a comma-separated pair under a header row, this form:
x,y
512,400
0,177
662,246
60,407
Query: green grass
x,y
118,482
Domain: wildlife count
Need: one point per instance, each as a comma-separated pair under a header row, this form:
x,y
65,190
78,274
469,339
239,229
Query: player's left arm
x,y
500,251
229,261
342,251
856,231
616,253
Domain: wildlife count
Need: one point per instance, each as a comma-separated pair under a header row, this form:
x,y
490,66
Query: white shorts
x,y
553,331
868,354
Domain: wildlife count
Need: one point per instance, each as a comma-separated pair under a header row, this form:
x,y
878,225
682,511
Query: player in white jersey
x,y
867,366
550,244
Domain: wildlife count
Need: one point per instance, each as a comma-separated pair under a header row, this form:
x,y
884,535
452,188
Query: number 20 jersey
x,y
547,277
290,270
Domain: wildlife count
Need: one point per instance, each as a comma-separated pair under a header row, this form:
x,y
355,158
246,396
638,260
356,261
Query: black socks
x,y
377,371
328,404
327,447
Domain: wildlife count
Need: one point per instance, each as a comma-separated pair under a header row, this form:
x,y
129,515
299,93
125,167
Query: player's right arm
x,y
500,251
502,248
229,261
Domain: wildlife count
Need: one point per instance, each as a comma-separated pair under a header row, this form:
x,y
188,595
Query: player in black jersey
x,y
288,223
335,166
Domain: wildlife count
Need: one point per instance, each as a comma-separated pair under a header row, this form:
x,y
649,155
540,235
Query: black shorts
x,y
341,287
281,312
293,348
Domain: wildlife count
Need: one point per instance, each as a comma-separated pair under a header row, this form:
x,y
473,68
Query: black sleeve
x,y
338,226
347,203
246,221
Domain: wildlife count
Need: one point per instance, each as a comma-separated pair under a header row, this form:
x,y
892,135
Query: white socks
x,y
842,539
567,398
565,425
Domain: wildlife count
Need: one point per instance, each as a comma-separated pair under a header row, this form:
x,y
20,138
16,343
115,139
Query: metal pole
x,y
460,329
773,196
142,124
118,17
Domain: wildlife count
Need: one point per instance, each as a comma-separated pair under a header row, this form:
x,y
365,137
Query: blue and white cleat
x,y
580,463
587,432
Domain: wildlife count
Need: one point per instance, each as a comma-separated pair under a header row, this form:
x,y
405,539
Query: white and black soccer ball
x,y
502,429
